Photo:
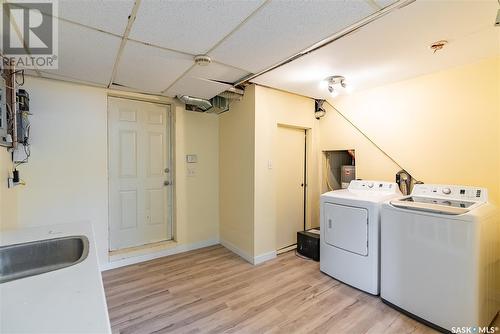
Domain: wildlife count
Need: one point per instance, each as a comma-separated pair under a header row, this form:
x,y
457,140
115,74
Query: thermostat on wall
x,y
191,158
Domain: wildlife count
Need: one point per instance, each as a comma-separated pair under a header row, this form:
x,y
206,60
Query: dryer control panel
x,y
451,191
378,186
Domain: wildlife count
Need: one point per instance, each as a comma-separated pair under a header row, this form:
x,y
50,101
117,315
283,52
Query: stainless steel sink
x,y
38,257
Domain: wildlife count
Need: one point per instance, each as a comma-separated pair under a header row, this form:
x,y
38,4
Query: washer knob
x,y
370,185
446,191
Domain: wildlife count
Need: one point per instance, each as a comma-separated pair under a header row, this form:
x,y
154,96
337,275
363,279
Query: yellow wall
x,y
273,107
247,185
236,171
8,199
198,195
442,127
67,172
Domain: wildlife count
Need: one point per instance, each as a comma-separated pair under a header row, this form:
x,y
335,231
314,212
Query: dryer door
x,y
347,228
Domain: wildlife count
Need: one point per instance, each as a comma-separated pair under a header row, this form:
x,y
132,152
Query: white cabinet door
x,y
347,228
140,203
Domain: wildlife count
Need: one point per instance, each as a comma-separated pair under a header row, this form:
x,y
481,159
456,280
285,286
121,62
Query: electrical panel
x,y
23,117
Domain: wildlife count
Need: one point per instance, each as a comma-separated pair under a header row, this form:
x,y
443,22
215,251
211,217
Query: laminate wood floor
x,y
212,290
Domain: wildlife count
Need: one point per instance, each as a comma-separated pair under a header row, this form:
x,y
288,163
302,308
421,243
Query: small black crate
x,y
308,244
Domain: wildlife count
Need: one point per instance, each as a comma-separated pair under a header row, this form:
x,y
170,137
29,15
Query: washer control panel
x,y
451,191
375,186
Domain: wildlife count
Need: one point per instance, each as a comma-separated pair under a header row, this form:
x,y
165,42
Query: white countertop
x,y
68,300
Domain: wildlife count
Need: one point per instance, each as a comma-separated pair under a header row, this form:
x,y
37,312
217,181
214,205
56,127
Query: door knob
x,y
166,183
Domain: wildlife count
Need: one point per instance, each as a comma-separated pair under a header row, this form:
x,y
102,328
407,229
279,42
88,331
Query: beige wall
x,y
198,195
67,173
8,198
247,185
442,127
236,170
273,107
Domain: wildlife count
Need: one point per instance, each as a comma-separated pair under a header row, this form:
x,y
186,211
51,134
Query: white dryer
x,y
349,237
440,258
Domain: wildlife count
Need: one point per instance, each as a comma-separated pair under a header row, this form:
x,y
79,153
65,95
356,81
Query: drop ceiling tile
x,y
150,69
107,15
388,50
197,87
85,54
189,26
215,71
283,28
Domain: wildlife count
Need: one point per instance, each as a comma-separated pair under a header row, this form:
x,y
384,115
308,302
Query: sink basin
x,y
38,257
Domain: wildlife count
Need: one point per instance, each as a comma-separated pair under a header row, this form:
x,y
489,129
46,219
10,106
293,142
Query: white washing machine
x,y
349,234
440,256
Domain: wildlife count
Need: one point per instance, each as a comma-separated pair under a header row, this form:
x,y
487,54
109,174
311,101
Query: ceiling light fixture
x,y
333,84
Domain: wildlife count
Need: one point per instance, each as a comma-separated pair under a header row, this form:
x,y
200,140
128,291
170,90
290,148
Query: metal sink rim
x,y
46,269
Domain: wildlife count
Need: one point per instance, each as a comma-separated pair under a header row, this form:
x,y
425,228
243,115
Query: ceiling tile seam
x,y
178,78
231,66
245,20
88,27
128,28
18,33
161,47
66,78
217,44
75,23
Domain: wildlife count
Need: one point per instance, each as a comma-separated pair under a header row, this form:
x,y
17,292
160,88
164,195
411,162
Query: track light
x,y
333,84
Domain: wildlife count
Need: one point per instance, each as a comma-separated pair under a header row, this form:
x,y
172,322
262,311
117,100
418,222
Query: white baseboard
x,y
247,257
286,249
264,257
154,255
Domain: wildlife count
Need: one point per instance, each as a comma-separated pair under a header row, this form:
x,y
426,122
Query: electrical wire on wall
x,y
17,122
370,140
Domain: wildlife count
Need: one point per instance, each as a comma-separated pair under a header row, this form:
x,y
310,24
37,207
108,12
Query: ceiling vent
x,y
217,105
195,103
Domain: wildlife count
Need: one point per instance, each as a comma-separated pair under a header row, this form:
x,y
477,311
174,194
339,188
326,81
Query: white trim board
x,y
264,257
165,252
255,260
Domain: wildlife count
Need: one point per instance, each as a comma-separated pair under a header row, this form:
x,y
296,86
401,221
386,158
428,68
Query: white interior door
x,y
140,195
290,185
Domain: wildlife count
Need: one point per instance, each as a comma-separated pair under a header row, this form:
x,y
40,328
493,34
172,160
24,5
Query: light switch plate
x,y
191,158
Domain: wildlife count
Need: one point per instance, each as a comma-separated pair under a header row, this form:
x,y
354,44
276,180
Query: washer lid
x,y
435,205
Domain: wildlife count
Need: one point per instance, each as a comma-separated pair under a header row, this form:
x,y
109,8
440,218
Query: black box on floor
x,y
308,244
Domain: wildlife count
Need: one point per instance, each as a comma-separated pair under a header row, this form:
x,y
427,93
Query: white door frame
x,y
171,192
